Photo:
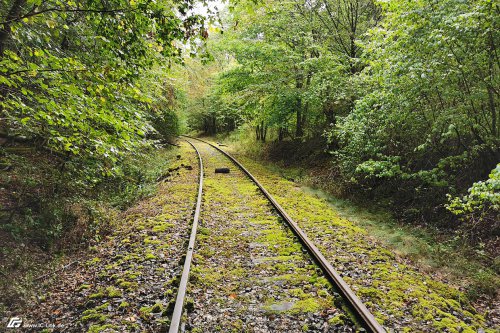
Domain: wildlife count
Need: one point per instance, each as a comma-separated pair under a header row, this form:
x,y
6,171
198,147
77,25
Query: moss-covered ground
x,y
250,273
400,296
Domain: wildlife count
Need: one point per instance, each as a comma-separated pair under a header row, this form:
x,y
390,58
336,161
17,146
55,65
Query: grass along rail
x,y
252,292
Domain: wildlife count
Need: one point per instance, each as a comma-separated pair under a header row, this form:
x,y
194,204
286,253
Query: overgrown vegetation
x,y
403,96
86,94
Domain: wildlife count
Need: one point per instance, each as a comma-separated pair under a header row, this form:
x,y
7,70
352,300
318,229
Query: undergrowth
x,y
44,204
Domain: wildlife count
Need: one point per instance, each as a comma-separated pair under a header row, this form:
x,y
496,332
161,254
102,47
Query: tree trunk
x,y
263,131
299,83
299,131
214,125
491,96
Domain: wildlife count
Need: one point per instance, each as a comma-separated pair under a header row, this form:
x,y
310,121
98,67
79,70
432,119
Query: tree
x,y
427,120
82,83
70,73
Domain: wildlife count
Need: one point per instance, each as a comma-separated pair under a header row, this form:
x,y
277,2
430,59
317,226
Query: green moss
x,y
306,305
150,240
337,320
130,257
95,314
204,231
149,256
113,292
123,305
100,328
323,293
157,308
297,292
93,261
107,292
370,292
132,275
206,275
111,266
145,312
162,227
96,295
127,285
84,287
169,309
189,304
95,317
322,282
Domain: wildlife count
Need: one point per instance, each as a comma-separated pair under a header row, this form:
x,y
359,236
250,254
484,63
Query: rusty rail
x,y
181,292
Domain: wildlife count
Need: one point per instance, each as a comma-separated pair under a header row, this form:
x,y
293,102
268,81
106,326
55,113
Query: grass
x,y
434,252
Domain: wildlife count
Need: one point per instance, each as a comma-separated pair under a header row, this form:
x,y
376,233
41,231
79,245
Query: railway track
x,y
356,308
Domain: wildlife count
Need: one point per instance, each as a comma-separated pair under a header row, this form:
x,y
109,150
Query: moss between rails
x,y
337,320
396,288
310,304
162,227
277,254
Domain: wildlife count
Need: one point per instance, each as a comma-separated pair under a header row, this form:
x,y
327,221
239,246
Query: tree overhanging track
x,y
357,307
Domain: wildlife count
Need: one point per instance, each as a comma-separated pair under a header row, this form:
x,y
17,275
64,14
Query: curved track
x,y
357,307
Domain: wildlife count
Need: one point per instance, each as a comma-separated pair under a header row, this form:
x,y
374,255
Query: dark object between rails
x,y
221,170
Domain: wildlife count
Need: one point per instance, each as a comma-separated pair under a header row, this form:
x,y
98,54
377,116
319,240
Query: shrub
x,y
481,206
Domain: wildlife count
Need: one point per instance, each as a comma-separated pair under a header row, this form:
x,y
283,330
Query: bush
x,y
480,208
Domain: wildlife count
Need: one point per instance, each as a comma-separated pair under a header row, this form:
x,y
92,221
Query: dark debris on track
x,y
250,273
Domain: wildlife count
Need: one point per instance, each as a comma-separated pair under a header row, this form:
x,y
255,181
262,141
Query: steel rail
x,y
356,304
181,292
